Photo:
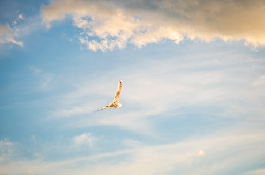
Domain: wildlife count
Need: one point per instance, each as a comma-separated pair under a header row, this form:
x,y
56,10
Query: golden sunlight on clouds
x,y
140,22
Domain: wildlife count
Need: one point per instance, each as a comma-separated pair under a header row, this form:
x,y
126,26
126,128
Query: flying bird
x,y
115,103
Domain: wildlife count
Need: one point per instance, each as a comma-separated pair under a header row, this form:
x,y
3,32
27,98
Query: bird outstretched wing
x,y
118,92
115,103
105,107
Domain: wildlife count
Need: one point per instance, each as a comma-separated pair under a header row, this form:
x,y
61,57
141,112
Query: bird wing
x,y
118,92
105,107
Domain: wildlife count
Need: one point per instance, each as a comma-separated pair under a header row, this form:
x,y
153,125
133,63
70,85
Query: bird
x,y
115,103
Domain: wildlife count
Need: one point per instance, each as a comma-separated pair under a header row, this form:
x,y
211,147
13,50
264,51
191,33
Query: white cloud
x,y
131,143
8,34
256,172
117,23
201,153
20,16
5,146
227,150
14,23
220,80
85,139
6,150
71,111
260,81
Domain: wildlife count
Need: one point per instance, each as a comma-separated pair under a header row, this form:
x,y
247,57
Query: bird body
x,y
115,103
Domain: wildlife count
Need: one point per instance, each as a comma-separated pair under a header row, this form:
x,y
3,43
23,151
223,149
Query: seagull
x,y
115,103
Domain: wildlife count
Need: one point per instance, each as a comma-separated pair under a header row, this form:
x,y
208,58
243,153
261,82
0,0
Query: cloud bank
x,y
116,23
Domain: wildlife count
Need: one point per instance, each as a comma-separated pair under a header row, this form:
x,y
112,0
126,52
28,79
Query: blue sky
x,y
193,94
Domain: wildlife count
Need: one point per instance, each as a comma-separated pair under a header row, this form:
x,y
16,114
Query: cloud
x,y
5,146
260,81
256,172
131,143
20,16
30,172
14,23
45,78
73,110
167,87
227,150
117,23
7,149
201,153
7,35
86,139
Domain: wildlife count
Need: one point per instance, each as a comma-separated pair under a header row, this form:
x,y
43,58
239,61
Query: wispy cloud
x,y
256,172
8,34
71,110
20,27
219,80
260,81
20,17
85,139
226,150
117,23
5,147
131,143
45,78
7,150
14,23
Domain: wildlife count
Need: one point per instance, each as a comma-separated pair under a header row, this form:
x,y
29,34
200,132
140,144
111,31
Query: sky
x,y
193,75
